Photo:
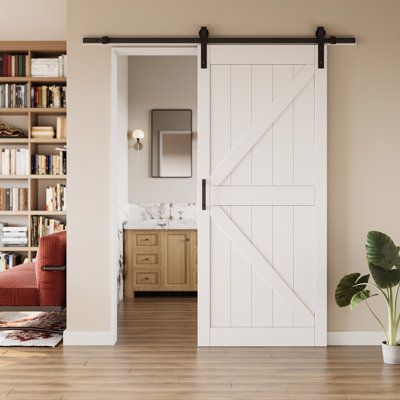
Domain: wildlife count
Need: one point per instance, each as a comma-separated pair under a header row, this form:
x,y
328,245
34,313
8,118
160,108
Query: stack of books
x,y
13,95
15,236
50,66
42,226
9,260
49,164
43,132
14,199
56,198
13,64
15,162
61,131
45,96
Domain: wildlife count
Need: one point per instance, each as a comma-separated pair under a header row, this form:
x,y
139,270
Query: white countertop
x,y
157,224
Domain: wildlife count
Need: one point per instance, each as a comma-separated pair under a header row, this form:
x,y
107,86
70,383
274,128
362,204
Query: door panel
x,y
177,260
262,247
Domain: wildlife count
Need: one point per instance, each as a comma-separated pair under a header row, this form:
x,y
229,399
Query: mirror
x,y
171,143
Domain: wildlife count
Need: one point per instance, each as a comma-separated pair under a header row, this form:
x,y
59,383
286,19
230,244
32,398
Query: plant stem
x,y
392,323
380,323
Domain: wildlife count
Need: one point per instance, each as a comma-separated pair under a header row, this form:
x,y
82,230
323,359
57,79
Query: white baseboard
x,y
89,338
354,338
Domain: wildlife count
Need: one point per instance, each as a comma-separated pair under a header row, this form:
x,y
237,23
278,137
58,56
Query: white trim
x,y
89,338
321,279
262,336
203,216
156,50
356,338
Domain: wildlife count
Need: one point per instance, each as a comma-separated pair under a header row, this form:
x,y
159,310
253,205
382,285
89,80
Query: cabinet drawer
x,y
146,278
147,259
147,239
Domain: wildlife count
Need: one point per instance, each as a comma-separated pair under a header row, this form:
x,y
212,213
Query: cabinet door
x,y
176,267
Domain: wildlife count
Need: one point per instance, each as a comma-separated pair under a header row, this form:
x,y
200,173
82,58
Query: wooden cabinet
x,y
160,261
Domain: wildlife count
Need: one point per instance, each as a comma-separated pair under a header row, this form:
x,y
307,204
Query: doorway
x,y
261,195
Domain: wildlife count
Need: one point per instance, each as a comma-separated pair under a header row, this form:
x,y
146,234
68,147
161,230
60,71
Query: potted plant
x,y
384,266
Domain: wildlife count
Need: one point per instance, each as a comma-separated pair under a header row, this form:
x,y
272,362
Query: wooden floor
x,y
156,358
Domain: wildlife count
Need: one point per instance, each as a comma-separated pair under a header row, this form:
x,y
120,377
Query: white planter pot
x,y
391,354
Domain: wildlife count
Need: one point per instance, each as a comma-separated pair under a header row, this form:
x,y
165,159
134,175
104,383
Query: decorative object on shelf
x,y
138,135
8,132
49,66
384,265
42,132
14,236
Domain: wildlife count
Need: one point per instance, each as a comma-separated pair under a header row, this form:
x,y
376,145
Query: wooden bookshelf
x,y
25,118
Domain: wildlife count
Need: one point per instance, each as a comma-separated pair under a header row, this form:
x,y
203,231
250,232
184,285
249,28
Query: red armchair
x,y
38,286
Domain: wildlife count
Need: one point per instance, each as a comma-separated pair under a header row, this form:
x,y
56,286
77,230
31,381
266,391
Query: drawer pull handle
x,y
146,259
146,239
146,278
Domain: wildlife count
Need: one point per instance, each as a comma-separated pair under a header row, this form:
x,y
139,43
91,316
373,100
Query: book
x,y
56,198
49,66
14,161
49,164
42,226
13,199
48,96
61,129
13,64
13,95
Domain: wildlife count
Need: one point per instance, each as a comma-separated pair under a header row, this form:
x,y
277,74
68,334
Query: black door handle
x,y
203,194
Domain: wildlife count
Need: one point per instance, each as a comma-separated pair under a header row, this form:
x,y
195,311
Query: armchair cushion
x,y
18,287
51,284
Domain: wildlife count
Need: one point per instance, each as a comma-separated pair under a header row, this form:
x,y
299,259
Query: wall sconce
x,y
138,135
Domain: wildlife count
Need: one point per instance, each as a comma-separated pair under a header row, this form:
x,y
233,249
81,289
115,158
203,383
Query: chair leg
x,y
27,328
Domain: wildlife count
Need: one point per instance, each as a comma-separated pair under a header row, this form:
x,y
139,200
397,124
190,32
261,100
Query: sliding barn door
x,y
262,234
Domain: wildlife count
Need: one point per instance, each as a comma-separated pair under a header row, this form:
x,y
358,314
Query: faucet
x,y
171,211
180,212
161,212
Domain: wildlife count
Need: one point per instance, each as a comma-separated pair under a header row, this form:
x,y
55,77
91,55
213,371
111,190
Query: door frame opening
x,y
119,146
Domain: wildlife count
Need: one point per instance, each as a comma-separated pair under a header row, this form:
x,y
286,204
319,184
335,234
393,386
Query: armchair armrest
x,y
50,268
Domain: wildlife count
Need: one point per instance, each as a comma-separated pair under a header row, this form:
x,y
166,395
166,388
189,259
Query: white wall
x,y
363,124
159,82
33,19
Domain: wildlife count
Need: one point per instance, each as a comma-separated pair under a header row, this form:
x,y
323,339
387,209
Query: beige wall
x,y
364,137
159,82
33,19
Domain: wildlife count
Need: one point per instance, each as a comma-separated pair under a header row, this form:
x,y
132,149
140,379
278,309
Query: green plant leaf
x,y
346,288
381,251
359,297
385,278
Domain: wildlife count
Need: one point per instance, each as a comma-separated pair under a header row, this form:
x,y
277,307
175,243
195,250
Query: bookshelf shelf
x,y
25,118
13,177
48,176
14,248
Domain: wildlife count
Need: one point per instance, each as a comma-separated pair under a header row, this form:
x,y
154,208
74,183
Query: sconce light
x,y
138,134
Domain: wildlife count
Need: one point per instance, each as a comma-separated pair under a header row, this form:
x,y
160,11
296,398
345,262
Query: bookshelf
x,y
25,119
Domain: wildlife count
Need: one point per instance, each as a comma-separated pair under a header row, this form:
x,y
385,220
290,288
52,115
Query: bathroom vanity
x,y
160,260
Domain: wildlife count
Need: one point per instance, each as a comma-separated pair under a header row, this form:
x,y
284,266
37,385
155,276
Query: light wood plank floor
x,y
156,358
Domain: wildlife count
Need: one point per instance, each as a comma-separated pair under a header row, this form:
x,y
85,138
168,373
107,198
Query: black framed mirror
x,y
171,143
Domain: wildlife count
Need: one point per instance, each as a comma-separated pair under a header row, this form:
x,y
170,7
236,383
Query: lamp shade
x,y
137,134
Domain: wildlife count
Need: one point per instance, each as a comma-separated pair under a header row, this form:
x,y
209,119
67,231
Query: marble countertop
x,y
157,224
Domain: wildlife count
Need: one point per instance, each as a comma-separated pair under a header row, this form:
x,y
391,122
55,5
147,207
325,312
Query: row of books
x,y
15,161
14,199
49,66
14,236
9,260
47,132
42,226
49,164
13,64
56,198
45,96
13,95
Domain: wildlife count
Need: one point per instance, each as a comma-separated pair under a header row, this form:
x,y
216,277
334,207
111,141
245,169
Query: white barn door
x,y
262,236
